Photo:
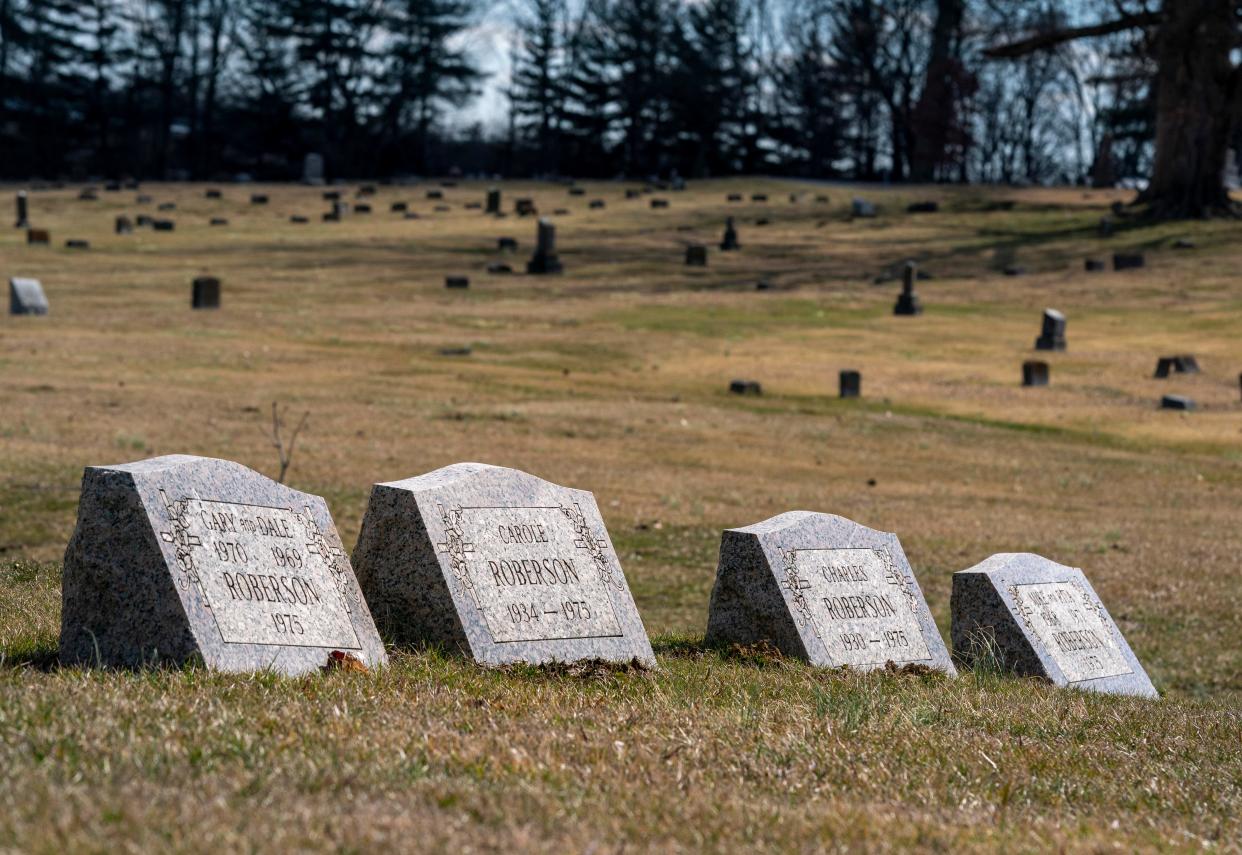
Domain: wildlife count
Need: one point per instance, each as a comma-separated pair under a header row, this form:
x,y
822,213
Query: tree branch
x,y
1052,38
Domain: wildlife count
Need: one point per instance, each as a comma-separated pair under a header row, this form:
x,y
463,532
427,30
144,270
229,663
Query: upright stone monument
x,y
23,217
26,297
38,237
862,208
312,169
498,564
1052,334
124,225
545,259
908,302
1035,373
823,589
493,201
696,255
849,384
205,293
729,242
179,558
1038,618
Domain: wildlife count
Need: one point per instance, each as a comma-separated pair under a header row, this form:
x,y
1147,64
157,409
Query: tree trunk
x,y
935,115
1196,99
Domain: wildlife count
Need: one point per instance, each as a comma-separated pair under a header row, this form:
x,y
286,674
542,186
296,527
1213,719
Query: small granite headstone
x,y
696,255
143,199
577,191
908,302
219,221
166,206
205,293
112,187
1183,243
823,589
77,243
545,259
762,221
457,282
729,242
849,383
1035,373
1094,265
331,195
497,267
367,190
258,199
1052,334
163,225
493,201
23,221
1128,261
1037,618
758,197
362,208
398,208
144,220
507,244
659,203
38,236
124,225
312,169
298,219
734,197
182,558
1177,402
596,204
631,193
441,209
26,297
88,194
862,208
498,564
745,387
435,194
214,194
560,212
923,208
1181,364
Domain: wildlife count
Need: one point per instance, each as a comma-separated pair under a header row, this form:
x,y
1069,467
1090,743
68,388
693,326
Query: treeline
x,y
856,89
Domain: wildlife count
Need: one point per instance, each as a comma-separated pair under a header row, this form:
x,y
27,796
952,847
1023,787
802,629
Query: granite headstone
x,y
824,589
1038,618
180,558
545,259
26,297
1052,333
23,221
908,302
205,293
498,564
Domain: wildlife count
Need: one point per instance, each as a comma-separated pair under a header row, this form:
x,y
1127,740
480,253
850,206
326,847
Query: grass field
x,y
613,377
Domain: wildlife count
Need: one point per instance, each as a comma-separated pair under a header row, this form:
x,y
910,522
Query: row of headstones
x,y
180,557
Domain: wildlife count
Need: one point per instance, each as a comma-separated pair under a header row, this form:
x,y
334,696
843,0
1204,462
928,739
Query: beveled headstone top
x,y
498,564
181,557
1040,618
26,297
824,589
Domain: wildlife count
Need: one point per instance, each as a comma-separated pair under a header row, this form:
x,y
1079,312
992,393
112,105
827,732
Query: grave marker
x,y
1038,618
124,225
77,243
823,589
1181,364
22,213
167,206
696,255
849,384
214,194
1035,373
545,259
745,387
923,208
312,169
596,204
398,208
862,208
435,194
659,203
1177,402
729,242
1052,334
1094,265
457,282
507,244
38,236
26,297
179,558
258,199
493,201
205,293
1128,261
163,225
908,302
759,197
219,221
498,564
734,197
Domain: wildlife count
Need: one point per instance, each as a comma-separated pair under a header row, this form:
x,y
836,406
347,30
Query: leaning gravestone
x,y
823,589
26,297
180,557
1039,618
1052,333
498,564
545,259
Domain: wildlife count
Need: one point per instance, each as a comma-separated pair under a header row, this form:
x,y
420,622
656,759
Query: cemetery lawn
x,y
613,377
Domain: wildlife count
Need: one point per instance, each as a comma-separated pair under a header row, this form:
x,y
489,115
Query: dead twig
x,y
283,452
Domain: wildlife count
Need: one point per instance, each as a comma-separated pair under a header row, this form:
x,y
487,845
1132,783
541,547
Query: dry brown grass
x,y
612,377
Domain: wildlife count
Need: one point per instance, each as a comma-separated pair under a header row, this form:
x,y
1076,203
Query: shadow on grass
x,y
38,657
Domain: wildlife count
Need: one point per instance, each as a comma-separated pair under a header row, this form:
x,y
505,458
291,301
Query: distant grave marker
x,y
124,225
298,219
1177,402
1052,333
181,558
493,201
923,208
560,212
500,565
205,293
258,199
362,208
312,169
823,589
163,225
659,203
908,302
167,206
862,208
759,197
596,204
545,259
849,384
507,244
77,243
734,197
144,220
88,194
457,282
762,221
1038,618
398,208
441,209
1035,373
633,194
435,194
214,194
143,199
26,297
729,242
331,195
38,237
1181,364
577,191
696,255
1094,265
1128,261
112,187
498,267
23,221
745,387
219,221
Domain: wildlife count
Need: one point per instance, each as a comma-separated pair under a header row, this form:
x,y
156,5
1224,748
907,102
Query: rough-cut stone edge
x,y
426,572
775,616
994,617
121,605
